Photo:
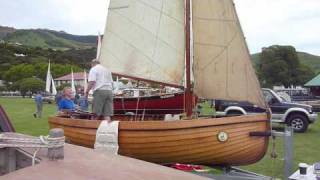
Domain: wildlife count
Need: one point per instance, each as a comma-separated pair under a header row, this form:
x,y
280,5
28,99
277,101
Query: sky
x,y
264,22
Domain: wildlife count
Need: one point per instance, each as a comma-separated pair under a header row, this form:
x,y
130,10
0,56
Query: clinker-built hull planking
x,y
184,141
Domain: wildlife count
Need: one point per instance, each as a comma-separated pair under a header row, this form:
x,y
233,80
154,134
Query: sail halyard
x,y
222,65
145,39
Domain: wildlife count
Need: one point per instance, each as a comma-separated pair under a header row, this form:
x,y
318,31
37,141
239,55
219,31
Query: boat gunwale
x,y
162,125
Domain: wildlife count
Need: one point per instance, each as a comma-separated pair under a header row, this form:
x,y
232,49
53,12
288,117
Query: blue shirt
x,y
83,103
38,99
66,104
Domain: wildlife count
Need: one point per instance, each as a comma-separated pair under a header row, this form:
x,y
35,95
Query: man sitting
x,y
66,104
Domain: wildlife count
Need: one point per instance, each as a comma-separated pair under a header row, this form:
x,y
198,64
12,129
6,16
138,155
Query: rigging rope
x,y
41,142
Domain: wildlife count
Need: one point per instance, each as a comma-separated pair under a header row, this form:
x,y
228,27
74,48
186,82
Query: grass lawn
x,y
306,145
20,112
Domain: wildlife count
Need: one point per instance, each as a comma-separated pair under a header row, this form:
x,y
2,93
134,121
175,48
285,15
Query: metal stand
x,y
232,173
288,149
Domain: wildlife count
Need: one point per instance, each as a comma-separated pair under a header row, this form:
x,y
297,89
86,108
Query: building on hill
x,y
78,79
314,85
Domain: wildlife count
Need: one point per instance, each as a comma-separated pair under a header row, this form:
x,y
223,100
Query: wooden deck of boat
x,y
83,163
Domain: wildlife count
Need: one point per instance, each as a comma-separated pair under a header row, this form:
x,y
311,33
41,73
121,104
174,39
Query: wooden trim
x,y
162,125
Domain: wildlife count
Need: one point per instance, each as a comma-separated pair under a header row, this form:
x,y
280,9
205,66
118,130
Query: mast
x,y
188,93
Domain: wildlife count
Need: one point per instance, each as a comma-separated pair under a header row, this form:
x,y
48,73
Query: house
x,y
78,79
314,85
19,55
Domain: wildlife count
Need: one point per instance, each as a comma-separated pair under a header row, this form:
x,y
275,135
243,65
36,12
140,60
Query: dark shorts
x,y
102,104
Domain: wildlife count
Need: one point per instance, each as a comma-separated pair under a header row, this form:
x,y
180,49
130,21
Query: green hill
x,y
307,59
47,38
4,31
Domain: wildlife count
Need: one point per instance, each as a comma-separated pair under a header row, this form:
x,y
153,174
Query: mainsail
x,y
145,39
85,84
222,65
98,46
50,82
53,87
73,88
48,79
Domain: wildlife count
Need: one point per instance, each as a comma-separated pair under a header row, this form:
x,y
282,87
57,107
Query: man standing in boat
x,y
101,82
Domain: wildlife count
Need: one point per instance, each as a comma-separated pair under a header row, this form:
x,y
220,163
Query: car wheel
x,y
234,113
298,122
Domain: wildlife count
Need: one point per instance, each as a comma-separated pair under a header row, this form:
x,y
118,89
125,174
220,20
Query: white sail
x,y
73,88
98,46
53,87
222,65
145,39
85,84
48,79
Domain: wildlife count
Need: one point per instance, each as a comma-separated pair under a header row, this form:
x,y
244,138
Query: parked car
x,y
296,115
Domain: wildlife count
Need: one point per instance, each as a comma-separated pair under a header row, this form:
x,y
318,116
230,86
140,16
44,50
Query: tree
x,y
18,72
280,65
29,85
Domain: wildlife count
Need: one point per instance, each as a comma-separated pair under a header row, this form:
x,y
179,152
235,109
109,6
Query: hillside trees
x,y
280,65
38,70
34,62
29,85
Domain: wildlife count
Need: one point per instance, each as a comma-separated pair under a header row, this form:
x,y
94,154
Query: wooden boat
x,y
151,41
185,141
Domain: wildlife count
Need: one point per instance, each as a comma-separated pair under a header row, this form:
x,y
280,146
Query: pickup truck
x,y
298,116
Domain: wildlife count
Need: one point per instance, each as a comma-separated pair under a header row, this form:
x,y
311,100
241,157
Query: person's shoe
x,y
34,115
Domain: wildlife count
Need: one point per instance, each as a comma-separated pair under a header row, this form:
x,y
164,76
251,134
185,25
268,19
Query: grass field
x,y
306,145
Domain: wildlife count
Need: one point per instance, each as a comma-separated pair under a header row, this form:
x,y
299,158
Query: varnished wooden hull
x,y
183,141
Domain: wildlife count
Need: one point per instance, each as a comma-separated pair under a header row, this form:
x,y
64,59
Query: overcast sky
x,y
265,22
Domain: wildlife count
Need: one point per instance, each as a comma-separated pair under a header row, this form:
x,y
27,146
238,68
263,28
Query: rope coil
x,y
40,142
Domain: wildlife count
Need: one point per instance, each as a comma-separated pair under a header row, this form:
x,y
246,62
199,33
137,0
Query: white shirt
x,y
102,76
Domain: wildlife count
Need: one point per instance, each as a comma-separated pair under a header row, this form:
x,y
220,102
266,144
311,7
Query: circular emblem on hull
x,y
223,136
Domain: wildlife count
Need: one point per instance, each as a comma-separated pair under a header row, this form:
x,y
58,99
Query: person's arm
x,y
92,78
91,84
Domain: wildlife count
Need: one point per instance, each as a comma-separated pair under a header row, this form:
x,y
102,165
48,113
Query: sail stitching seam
x,y
150,33
157,34
161,11
219,54
152,61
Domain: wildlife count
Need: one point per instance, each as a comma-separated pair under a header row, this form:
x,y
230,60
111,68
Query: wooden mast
x,y
188,93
